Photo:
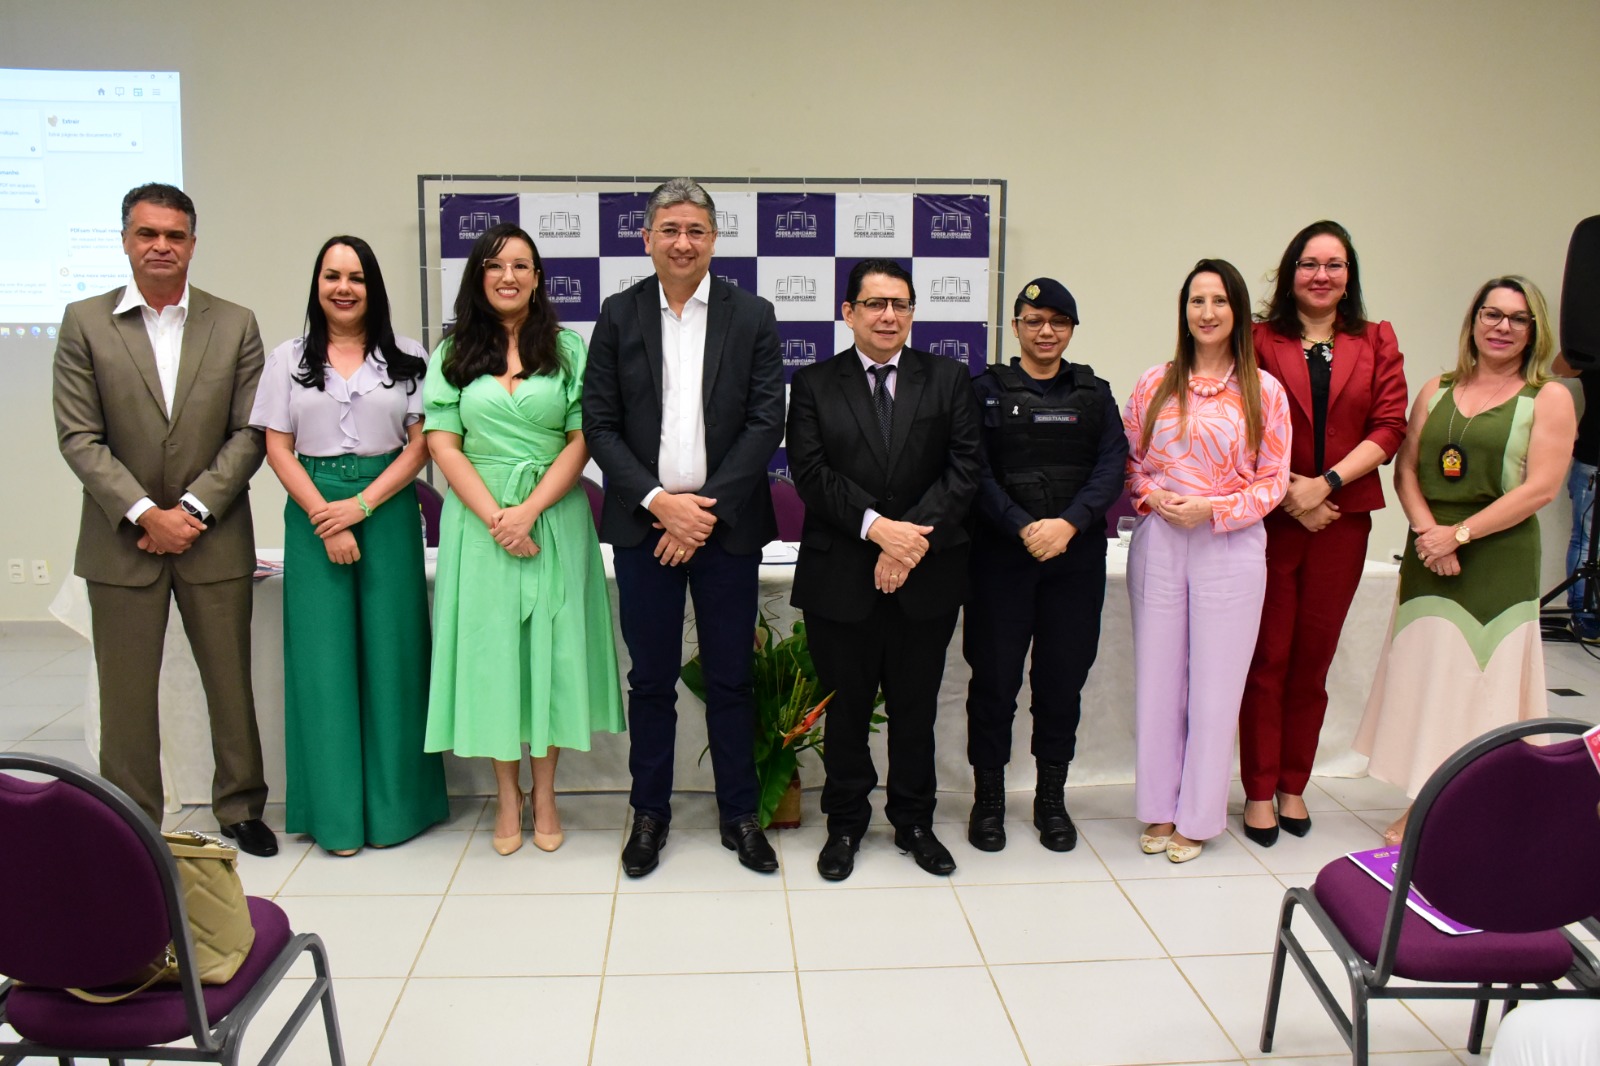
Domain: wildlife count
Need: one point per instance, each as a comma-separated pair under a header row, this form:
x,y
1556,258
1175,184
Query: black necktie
x,y
883,401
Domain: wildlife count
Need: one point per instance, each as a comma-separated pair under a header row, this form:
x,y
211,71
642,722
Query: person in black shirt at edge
x,y
1055,459
1580,489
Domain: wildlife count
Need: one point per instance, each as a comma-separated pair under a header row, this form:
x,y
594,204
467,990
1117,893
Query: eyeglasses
x,y
696,234
1035,323
495,266
1493,316
1334,267
875,305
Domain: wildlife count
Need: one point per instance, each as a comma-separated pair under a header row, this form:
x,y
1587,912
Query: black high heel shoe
x,y
1262,837
1295,826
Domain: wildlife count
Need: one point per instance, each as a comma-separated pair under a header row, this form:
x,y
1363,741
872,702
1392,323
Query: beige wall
x,y
1455,138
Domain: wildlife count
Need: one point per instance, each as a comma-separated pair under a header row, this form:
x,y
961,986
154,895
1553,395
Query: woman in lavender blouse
x,y
342,410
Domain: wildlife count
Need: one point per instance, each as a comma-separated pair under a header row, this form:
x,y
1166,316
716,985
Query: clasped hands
x,y
685,521
1436,548
512,529
1185,512
903,544
1307,502
168,531
1048,537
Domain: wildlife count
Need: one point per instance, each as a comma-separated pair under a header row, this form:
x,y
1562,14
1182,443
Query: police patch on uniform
x,y
1069,418
991,401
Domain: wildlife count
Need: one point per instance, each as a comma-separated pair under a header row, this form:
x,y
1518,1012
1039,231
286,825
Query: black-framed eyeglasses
x,y
875,305
1334,267
696,234
1493,316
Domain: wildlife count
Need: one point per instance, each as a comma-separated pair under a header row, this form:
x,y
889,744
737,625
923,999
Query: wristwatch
x,y
1333,479
191,509
1463,534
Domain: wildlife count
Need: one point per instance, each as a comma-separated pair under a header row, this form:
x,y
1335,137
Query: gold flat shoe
x,y
1184,852
1153,845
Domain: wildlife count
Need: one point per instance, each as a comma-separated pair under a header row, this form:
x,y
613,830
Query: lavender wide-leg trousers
x,y
1195,596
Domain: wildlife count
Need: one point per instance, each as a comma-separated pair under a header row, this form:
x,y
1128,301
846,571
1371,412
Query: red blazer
x,y
1366,401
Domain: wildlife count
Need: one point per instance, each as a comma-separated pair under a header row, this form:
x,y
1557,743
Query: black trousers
x,y
906,657
1015,600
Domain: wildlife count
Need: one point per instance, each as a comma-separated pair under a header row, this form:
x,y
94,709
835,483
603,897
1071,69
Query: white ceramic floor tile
x,y
68,726
879,864
1449,1020
1332,834
692,810
1116,842
33,690
578,810
1099,801
21,662
517,936
367,936
20,723
694,860
1234,987
1380,820
266,876
1056,923
423,865
1210,916
529,1021
880,927
363,1006
1075,1014
74,751
924,1016
699,932
1363,793
1398,1058
585,862
464,814
73,663
1023,860
675,1021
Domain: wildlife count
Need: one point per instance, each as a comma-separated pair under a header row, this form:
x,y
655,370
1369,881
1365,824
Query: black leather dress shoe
x,y
924,847
642,852
252,836
744,836
837,860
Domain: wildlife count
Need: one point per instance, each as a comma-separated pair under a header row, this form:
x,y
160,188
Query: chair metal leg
x,y
1480,1017
1358,1027
1269,1021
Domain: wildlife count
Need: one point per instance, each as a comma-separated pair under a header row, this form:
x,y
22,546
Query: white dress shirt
x,y
867,364
681,464
165,330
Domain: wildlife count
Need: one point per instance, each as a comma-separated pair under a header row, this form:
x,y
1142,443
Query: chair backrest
x,y
1509,838
597,497
787,505
81,895
1122,507
432,505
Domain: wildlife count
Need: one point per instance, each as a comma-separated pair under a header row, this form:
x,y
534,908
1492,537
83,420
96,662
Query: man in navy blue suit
x,y
682,409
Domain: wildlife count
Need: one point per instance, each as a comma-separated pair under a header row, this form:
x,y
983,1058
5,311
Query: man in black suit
x,y
884,446
682,409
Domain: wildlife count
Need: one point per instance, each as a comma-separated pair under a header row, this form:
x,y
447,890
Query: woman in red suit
x,y
1347,403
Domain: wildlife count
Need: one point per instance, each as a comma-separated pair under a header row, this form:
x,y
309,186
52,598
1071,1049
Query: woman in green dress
x,y
523,652
341,407
1486,447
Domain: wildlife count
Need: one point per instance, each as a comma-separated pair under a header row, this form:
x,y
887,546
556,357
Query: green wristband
x,y
365,506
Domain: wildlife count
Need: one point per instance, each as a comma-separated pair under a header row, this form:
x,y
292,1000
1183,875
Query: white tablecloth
x,y
1105,738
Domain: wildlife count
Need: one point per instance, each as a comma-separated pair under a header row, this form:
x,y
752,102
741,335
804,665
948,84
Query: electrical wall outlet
x,y
14,569
41,572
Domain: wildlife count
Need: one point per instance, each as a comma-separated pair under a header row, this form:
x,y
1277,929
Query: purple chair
x,y
788,506
1121,508
1505,838
432,505
597,498
89,897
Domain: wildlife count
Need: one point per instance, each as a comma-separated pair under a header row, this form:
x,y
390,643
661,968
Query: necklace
x,y
1209,387
1453,456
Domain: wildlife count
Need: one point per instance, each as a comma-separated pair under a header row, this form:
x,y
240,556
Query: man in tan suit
x,y
153,388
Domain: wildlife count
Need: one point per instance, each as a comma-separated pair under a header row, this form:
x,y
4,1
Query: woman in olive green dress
x,y
523,651
1486,447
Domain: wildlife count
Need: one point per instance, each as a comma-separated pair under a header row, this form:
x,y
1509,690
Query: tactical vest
x,y
1042,451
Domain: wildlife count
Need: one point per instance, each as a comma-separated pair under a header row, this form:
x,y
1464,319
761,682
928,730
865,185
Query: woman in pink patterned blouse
x,y
1208,438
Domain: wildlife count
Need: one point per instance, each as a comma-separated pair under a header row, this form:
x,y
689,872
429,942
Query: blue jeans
x,y
1580,488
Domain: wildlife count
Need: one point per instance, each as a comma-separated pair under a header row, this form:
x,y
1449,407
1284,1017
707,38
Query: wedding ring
x,y
680,551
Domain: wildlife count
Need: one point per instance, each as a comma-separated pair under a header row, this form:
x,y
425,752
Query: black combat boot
x,y
1050,816
986,825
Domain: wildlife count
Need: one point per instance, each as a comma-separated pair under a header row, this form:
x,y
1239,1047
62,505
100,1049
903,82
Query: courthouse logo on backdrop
x,y
727,224
798,352
629,223
475,224
951,349
874,224
627,283
797,288
952,226
560,224
791,224
730,279
952,289
564,290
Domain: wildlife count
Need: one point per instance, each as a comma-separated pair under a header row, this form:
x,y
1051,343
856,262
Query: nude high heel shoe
x,y
545,841
511,844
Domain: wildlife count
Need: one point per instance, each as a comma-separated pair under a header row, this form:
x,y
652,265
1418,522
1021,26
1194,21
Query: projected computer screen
x,y
72,142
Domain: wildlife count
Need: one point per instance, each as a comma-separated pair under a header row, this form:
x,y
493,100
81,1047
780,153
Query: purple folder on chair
x,y
1380,863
